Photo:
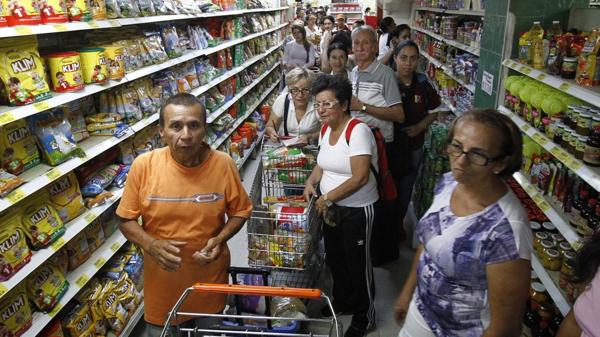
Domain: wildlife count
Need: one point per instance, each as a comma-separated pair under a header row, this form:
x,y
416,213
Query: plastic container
x,y
93,63
65,71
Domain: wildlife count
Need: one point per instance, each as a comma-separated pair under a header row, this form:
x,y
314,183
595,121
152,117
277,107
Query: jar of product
x,y
573,143
567,270
537,241
551,129
591,154
538,294
571,114
535,226
235,148
584,122
569,67
549,227
595,122
246,135
566,138
551,260
557,239
534,277
546,245
580,148
564,247
558,134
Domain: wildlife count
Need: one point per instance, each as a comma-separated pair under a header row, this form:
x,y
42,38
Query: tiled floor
x,y
388,279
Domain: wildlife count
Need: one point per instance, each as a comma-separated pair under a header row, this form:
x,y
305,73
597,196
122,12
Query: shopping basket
x,y
330,327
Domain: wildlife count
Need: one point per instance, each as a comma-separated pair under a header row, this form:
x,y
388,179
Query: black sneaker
x,y
354,331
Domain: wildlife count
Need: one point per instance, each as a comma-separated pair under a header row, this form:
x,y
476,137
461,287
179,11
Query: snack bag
x,y
115,61
53,11
93,63
101,180
113,310
78,322
22,73
14,253
128,295
95,235
54,137
41,222
91,295
98,9
21,12
78,250
8,182
66,198
74,112
46,286
78,10
15,312
61,260
17,147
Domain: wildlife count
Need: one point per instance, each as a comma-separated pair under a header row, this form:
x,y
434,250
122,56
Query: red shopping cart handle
x,y
242,289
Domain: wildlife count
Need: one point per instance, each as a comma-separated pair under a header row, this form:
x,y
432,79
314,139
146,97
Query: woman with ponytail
x,y
298,52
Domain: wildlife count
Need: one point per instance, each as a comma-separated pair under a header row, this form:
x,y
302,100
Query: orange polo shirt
x,y
183,204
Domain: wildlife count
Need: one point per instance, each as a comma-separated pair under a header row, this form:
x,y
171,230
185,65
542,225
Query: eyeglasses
x,y
304,91
475,158
326,105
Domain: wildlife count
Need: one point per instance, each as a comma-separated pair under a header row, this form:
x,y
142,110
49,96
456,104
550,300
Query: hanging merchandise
x,y
65,71
22,72
17,147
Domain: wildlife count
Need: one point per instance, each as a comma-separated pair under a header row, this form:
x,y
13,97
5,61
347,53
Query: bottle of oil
x,y
525,48
536,35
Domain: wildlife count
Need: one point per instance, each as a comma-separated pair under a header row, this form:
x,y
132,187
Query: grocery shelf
x,y
550,280
452,11
249,151
215,114
78,278
448,71
9,114
115,23
241,120
472,50
586,94
450,106
42,174
73,228
590,174
133,321
557,218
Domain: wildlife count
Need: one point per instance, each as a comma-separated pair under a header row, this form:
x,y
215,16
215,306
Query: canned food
x,y
65,71
537,242
93,63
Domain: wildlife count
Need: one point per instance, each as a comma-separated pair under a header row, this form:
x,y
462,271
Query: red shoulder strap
x,y
351,125
324,129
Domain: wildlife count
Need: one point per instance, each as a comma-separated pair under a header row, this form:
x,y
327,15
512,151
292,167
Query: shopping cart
x,y
330,327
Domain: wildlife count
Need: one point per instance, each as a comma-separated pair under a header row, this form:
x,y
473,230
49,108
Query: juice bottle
x,y
536,34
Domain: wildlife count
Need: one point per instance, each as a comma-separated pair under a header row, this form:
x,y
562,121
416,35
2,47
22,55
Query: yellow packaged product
x,y
91,295
115,61
65,197
21,12
65,71
98,9
8,183
22,74
15,312
79,10
17,147
95,235
14,253
61,260
78,250
129,296
79,322
46,286
41,222
93,62
113,310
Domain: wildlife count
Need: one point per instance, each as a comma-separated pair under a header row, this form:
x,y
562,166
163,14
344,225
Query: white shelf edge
x,y
121,22
250,149
9,113
448,71
73,228
452,11
469,49
46,178
239,121
589,174
552,288
342,12
545,205
133,321
567,86
77,280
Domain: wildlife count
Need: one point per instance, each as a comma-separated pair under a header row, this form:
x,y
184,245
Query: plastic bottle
x,y
551,51
525,48
536,34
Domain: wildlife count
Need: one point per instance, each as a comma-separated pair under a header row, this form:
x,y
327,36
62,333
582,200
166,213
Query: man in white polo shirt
x,y
376,101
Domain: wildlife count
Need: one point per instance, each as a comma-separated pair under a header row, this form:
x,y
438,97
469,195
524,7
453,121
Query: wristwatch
x,y
328,202
364,108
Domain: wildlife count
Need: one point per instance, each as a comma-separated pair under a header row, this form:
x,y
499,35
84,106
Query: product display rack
x,y
447,70
550,280
42,175
249,151
469,49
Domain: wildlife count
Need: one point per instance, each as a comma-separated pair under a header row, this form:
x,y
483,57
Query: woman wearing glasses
x,y
293,112
470,274
348,201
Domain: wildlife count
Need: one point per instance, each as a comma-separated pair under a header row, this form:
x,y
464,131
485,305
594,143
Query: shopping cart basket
x,y
331,326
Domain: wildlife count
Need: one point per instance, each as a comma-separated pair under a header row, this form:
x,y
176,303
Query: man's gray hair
x,y
298,74
365,28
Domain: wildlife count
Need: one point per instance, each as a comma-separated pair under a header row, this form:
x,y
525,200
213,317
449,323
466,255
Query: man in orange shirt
x,y
191,201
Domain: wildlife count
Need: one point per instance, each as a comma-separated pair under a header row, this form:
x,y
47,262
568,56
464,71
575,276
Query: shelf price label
x,y
556,151
544,206
90,217
541,77
115,246
53,174
114,23
573,164
41,106
60,28
99,263
525,127
93,25
3,289
55,310
15,196
539,138
565,86
7,117
82,280
23,30
58,244
525,70
530,189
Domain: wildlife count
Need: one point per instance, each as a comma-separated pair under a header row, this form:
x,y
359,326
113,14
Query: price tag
x,y
53,174
114,23
525,70
541,77
58,244
538,199
90,217
41,106
15,196
93,25
525,127
115,246
60,28
23,30
564,157
82,280
7,117
55,310
3,289
100,262
544,206
530,189
573,164
565,86
539,138
556,151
